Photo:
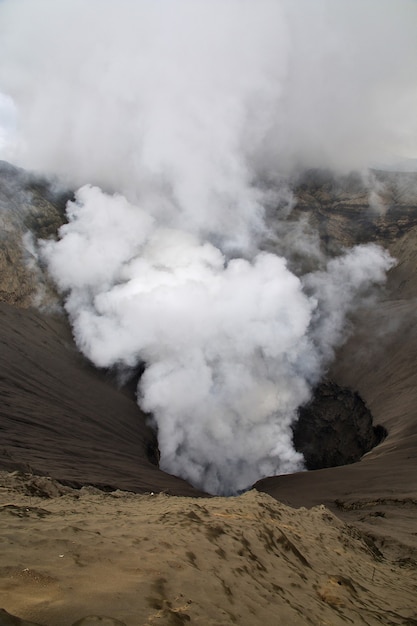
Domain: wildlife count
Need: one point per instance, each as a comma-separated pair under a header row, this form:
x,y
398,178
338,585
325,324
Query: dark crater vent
x,y
335,428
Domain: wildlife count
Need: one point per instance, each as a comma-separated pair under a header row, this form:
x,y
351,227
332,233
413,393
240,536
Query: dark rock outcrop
x,y
335,428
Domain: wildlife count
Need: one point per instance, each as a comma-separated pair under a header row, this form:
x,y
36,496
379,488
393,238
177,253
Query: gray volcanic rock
x,y
29,207
349,210
335,428
330,213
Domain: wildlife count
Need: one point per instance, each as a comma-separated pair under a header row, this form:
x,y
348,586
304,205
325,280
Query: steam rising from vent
x,y
231,346
180,120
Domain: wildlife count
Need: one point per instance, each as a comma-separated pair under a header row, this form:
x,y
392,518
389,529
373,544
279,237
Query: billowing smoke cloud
x,y
188,113
231,345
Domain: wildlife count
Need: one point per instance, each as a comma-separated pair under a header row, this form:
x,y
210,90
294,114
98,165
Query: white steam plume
x,y
191,110
231,346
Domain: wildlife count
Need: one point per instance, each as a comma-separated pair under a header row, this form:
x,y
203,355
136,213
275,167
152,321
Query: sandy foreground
x,y
159,559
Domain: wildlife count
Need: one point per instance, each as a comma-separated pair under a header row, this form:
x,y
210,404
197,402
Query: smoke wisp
x,y
178,120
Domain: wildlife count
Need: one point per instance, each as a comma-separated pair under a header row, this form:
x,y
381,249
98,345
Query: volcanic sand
x,y
158,559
